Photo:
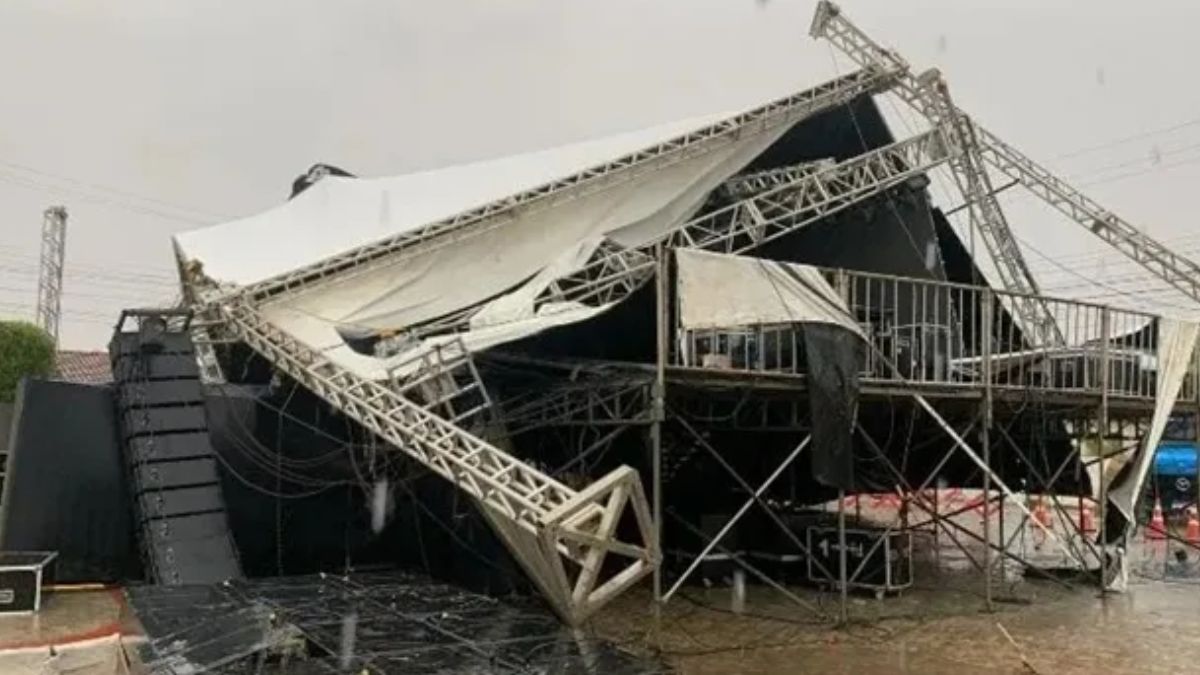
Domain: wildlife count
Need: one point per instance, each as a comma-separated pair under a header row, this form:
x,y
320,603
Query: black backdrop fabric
x,y
65,488
834,356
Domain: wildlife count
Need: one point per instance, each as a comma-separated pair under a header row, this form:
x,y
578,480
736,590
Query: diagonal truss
x,y
930,96
561,537
987,218
783,111
812,195
1178,271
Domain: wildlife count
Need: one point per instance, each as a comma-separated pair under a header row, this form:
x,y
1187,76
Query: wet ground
x,y
942,623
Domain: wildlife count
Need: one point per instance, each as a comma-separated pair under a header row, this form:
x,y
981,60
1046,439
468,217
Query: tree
x,y
25,350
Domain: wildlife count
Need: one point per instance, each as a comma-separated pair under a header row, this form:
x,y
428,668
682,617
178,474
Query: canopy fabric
x,y
724,291
495,273
1176,346
338,214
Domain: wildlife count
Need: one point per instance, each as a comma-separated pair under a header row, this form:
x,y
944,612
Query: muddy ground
x,y
942,623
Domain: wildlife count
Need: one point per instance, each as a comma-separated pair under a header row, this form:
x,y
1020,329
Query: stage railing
x,y
933,333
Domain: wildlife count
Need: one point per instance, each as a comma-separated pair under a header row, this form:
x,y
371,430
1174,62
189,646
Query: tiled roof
x,y
84,367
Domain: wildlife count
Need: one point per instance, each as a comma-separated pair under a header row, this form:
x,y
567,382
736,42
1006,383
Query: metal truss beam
x,y
1176,270
766,216
560,536
930,96
783,111
987,218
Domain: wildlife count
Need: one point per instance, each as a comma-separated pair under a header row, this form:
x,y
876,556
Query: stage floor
x,y
401,623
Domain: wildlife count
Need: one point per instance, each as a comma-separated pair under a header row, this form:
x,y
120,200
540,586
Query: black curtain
x,y
834,356
65,487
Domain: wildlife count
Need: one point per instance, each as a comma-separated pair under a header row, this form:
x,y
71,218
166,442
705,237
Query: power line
x,y
122,193
1097,282
59,190
1135,137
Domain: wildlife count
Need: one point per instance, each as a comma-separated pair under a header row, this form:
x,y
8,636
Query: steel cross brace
x,y
1047,483
755,497
945,524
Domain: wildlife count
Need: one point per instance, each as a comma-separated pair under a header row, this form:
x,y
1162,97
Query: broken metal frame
x,y
545,523
560,536
534,514
1176,270
943,521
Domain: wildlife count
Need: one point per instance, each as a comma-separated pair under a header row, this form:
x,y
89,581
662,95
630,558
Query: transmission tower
x,y
50,276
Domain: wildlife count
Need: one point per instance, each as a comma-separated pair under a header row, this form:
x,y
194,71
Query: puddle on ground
x,y
940,624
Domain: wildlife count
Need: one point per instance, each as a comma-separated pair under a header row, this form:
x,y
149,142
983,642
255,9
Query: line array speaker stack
x,y
178,506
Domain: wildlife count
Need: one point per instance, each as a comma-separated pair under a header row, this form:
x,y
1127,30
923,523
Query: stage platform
x,y
383,622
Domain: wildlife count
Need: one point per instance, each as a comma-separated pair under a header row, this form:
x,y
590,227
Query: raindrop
x,y
942,44
349,632
1100,76
1155,156
379,505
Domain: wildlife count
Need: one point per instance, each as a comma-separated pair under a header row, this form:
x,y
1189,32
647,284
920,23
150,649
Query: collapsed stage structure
x,y
692,306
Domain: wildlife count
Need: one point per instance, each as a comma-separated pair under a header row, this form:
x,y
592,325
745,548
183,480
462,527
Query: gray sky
x,y
146,117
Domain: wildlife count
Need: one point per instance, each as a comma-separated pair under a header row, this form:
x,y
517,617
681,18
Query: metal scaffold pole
x,y
844,612
1101,453
988,309
659,409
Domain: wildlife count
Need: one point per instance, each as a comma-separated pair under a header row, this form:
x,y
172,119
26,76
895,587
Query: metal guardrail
x,y
927,332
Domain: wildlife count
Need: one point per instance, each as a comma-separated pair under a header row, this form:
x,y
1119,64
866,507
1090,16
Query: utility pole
x,y
50,275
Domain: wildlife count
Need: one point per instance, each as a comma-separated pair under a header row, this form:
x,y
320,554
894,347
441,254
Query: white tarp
x,y
1176,344
503,267
722,291
338,214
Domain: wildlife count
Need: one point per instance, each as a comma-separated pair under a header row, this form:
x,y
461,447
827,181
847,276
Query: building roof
x,y
84,367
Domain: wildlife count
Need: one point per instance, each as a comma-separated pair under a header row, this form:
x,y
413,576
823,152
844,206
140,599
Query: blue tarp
x,y
1175,458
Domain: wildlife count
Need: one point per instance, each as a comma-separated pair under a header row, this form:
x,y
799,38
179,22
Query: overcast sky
x,y
146,117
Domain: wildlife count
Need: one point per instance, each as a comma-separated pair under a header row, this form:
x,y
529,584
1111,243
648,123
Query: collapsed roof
x,y
494,276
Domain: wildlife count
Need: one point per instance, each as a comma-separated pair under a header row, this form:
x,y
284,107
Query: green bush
x,y
25,349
